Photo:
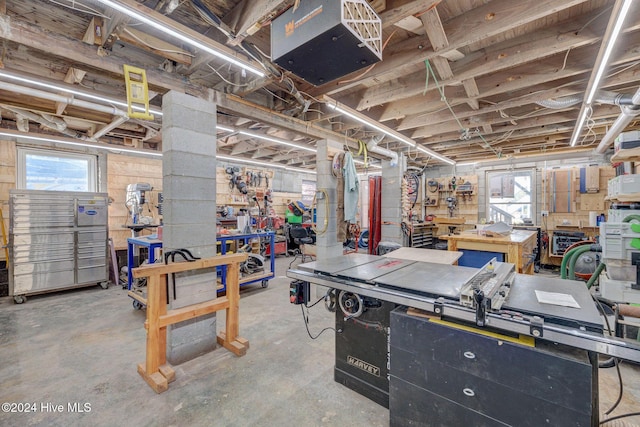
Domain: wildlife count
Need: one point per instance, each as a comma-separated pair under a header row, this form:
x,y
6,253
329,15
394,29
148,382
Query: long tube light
x,y
179,35
80,144
257,163
619,13
383,129
267,138
146,152
76,92
608,49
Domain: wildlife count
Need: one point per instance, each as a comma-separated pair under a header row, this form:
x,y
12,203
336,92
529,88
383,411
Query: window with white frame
x,y
510,195
56,170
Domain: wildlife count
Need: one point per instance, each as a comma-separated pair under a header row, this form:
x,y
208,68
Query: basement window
x,y
510,196
56,171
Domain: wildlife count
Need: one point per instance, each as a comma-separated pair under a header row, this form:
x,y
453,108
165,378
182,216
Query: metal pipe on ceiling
x,y
626,116
70,100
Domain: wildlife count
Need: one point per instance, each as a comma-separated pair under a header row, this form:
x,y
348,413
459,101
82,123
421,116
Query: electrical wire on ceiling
x,y
250,49
225,80
444,99
79,7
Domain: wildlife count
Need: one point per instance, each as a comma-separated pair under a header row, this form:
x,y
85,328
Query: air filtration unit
x,y
321,41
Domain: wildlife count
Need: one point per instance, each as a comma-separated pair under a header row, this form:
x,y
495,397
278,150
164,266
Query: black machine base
x,y
381,397
362,346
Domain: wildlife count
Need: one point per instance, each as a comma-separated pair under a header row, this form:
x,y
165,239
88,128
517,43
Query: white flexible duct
x,y
623,120
62,98
560,103
602,97
58,125
372,146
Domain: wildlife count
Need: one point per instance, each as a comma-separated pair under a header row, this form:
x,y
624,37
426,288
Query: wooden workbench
x,y
426,255
518,246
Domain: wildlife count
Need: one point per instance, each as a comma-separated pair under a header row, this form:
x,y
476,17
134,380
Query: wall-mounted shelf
x,y
628,155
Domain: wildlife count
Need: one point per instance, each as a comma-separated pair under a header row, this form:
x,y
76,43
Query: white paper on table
x,y
555,298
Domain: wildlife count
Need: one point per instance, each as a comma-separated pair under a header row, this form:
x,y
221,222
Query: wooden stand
x,y
156,372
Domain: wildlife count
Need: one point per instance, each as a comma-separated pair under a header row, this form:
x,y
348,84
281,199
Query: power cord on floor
x,y
617,417
615,360
306,321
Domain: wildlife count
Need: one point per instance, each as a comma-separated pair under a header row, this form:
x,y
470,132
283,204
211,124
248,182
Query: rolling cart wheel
x,y
19,299
104,285
137,305
265,283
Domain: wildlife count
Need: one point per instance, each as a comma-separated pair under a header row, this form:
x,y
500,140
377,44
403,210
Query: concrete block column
x,y
391,206
189,213
327,244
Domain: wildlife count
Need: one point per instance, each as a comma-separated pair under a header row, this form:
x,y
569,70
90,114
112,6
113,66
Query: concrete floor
x,y
82,346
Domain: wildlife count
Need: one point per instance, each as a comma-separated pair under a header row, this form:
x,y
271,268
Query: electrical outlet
x,y
544,213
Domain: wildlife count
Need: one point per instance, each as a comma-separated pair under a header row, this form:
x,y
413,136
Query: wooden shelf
x,y
630,154
631,197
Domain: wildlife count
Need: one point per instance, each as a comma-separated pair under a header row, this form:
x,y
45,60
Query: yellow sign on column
x,y
137,93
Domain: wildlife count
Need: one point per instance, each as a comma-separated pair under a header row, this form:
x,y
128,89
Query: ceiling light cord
x,y
444,99
253,52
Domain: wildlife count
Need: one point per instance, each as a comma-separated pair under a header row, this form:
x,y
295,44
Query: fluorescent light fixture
x,y
80,144
257,163
333,104
276,140
608,49
224,128
100,98
618,14
369,123
179,35
267,138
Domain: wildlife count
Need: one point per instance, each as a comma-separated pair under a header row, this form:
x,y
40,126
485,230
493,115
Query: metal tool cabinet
x,y
443,375
57,240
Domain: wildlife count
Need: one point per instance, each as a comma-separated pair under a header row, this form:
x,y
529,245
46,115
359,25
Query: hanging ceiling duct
x,y
629,112
602,97
45,120
372,146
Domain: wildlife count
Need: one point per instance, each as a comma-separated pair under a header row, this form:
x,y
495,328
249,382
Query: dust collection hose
x,y
569,255
595,275
630,218
565,261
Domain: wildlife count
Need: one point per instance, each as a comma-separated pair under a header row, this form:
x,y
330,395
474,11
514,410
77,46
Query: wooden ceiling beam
x,y
78,52
502,56
395,13
545,125
463,30
568,81
534,94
